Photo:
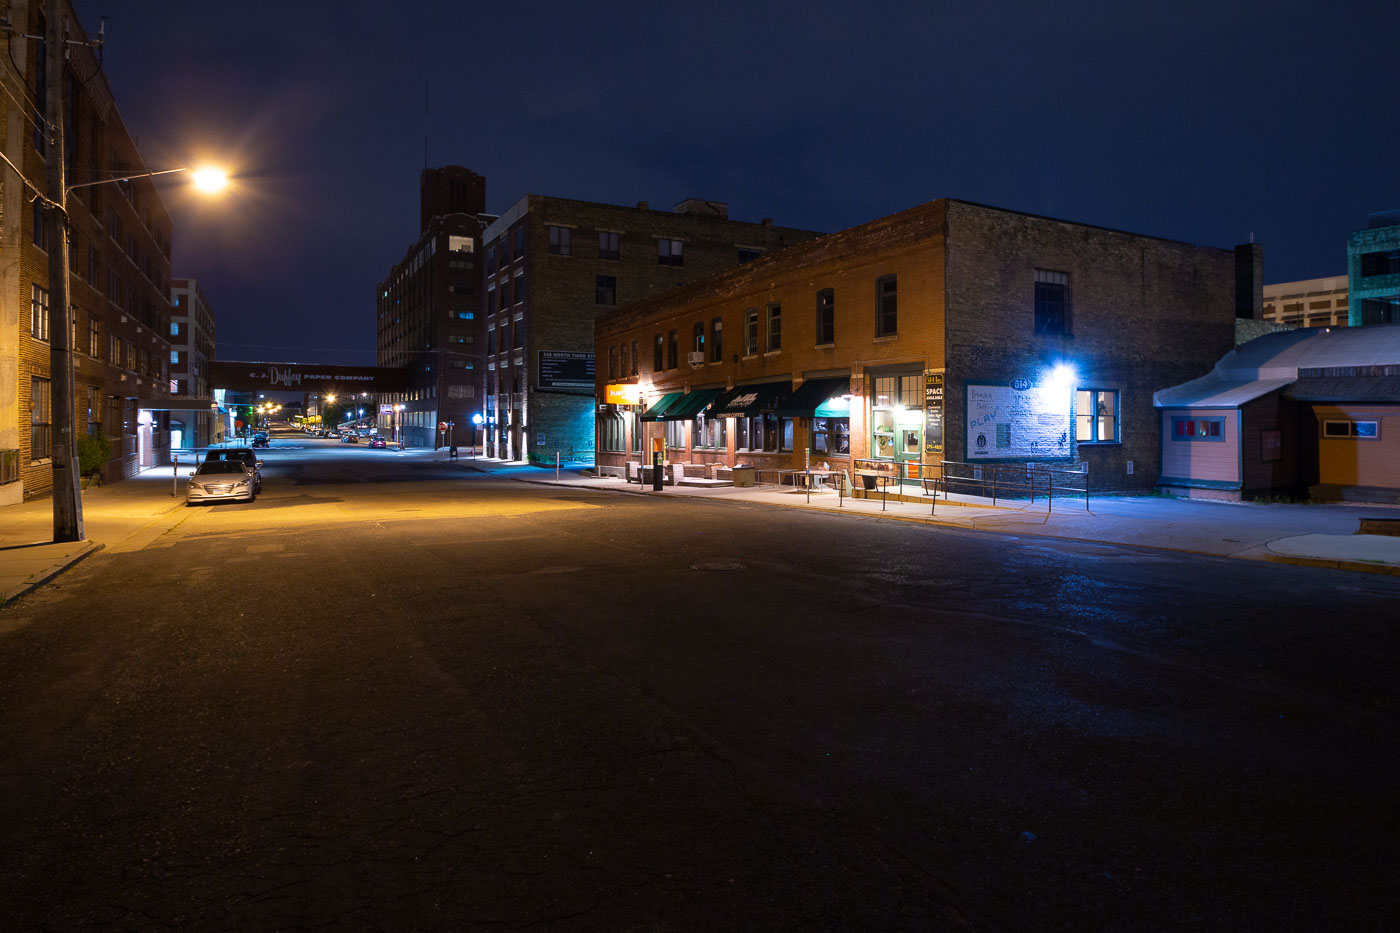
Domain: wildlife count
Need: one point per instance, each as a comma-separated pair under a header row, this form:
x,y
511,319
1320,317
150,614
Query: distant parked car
x,y
349,438
378,442
221,479
239,455
260,439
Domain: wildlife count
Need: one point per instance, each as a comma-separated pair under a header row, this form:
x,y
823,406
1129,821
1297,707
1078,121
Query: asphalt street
x,y
394,695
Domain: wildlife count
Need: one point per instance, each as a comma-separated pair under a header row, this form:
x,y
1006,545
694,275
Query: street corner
x,y
25,568
1364,553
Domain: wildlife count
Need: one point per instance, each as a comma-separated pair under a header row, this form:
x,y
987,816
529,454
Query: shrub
x,y
93,453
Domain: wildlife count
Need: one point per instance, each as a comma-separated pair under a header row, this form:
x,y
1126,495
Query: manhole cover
x,y
718,565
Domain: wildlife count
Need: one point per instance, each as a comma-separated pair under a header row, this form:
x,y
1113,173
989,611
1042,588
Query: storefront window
x,y
831,436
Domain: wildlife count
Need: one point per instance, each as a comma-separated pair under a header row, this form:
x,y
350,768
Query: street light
x,y
67,495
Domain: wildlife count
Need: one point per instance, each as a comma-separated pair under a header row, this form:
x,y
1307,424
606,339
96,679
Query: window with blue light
x,y
1096,416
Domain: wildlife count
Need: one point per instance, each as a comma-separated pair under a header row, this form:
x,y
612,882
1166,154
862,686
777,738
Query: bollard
x,y
556,466
174,473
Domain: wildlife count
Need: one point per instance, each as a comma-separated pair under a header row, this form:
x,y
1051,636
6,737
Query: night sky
x,y
1205,122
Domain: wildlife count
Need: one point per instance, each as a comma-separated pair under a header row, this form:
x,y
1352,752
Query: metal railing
x,y
995,481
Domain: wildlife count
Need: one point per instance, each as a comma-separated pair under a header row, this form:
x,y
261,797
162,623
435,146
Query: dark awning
x,y
812,394
687,406
655,412
747,401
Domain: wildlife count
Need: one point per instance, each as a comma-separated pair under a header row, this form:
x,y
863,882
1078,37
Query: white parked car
x,y
221,479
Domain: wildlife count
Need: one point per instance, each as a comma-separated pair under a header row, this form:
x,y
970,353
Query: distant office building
x,y
1308,303
119,285
551,266
1373,268
430,312
191,349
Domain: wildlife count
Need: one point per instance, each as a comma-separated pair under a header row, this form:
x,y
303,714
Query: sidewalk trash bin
x,y
743,476
867,481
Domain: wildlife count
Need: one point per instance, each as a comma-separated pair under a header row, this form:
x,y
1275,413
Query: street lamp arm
x,y
108,181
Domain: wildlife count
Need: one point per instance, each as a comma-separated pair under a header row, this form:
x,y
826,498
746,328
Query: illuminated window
x,y
1198,429
40,416
38,313
1367,430
1096,416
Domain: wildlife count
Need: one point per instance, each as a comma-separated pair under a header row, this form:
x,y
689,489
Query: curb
x,y
29,586
1356,566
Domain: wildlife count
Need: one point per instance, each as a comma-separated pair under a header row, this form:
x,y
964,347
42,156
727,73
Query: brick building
x,y
551,266
948,332
120,271
192,346
430,309
1308,303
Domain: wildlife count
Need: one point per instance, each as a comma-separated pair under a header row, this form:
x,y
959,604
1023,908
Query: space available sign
x,y
1018,422
565,371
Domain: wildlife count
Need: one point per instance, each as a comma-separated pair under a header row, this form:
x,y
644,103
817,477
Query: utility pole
x,y
67,495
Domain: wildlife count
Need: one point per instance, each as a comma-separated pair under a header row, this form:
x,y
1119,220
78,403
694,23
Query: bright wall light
x,y
1062,376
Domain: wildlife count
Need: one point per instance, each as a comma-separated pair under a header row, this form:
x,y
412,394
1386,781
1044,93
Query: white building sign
x,y
1027,422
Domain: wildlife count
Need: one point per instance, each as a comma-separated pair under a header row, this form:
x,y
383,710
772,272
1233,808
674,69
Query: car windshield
x,y
221,466
216,455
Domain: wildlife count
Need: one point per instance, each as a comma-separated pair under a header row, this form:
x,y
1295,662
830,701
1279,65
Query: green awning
x,y
812,394
747,401
689,405
655,412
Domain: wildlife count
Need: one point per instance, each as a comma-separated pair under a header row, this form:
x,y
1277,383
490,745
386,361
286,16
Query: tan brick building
x,y
948,332
120,272
552,265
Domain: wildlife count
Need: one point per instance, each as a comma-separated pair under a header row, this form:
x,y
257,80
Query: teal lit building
x,y
1373,271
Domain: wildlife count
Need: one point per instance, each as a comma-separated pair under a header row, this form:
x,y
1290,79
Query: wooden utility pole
x,y
67,494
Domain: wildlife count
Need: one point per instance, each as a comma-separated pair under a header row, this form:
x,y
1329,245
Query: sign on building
x,y
565,371
1018,422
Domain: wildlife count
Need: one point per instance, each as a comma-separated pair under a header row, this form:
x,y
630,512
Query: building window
x,y
697,338
1198,429
491,300
673,349
709,433
491,260
612,362
670,253
94,339
40,417
38,313
559,240
612,432
775,329
605,289
490,340
519,242
1052,307
520,288
1367,430
609,245
750,331
886,306
1380,310
1096,416
831,436
826,317
716,340
748,254
94,412
41,228
460,338
658,356
464,315
675,434
636,360
175,356
519,334
1383,262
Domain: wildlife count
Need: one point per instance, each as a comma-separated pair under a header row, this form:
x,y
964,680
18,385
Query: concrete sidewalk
x,y
120,515
1320,535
